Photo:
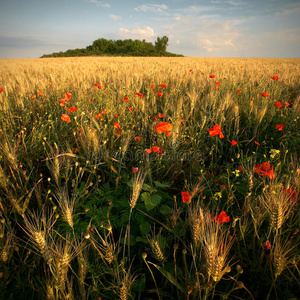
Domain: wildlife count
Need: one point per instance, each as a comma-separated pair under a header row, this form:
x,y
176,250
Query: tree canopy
x,y
128,47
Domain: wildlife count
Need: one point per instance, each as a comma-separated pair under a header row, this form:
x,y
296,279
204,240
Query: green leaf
x,y
145,227
149,188
139,284
170,277
130,183
150,200
165,209
132,240
161,184
141,239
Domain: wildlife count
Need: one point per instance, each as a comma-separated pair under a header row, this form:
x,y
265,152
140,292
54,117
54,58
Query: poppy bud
x,y
266,245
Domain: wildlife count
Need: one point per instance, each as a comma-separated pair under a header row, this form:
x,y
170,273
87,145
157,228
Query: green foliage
x,y
127,47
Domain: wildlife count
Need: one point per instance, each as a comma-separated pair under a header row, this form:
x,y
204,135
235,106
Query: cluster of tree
x,y
104,47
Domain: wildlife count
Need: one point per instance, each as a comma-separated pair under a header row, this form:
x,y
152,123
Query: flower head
x,y
265,95
65,118
186,197
266,245
163,127
278,104
163,85
216,130
139,94
265,170
275,77
1,89
279,126
116,125
212,76
222,218
134,170
233,143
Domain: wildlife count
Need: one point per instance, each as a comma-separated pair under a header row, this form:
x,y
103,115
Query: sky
x,y
196,28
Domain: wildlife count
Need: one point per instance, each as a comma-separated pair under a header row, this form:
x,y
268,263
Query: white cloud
x,y
152,8
106,5
286,12
114,17
137,33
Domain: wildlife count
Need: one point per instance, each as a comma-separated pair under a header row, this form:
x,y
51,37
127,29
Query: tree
x,y
161,44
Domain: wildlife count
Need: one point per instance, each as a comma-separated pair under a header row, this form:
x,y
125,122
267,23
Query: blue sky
x,y
211,28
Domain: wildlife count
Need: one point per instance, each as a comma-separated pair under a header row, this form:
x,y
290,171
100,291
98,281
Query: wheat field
x,y
149,178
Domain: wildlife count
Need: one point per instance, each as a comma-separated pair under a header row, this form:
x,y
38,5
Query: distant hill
x,y
104,47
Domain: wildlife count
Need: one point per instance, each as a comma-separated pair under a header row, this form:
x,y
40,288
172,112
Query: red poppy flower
x,y
218,83
287,104
181,120
130,108
278,104
160,115
148,151
163,85
119,132
265,170
134,170
256,143
72,109
32,97
186,197
99,116
241,169
279,126
116,115
222,218
215,87
40,93
238,91
191,70
137,138
152,86
168,133
100,87
216,130
270,174
275,77
211,76
91,100
65,118
266,245
139,94
68,96
233,143
159,94
265,95
155,119
163,127
116,125
62,102
125,99
155,149
1,89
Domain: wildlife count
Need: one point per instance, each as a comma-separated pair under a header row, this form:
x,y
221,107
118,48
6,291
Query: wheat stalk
x,y
216,243
137,184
